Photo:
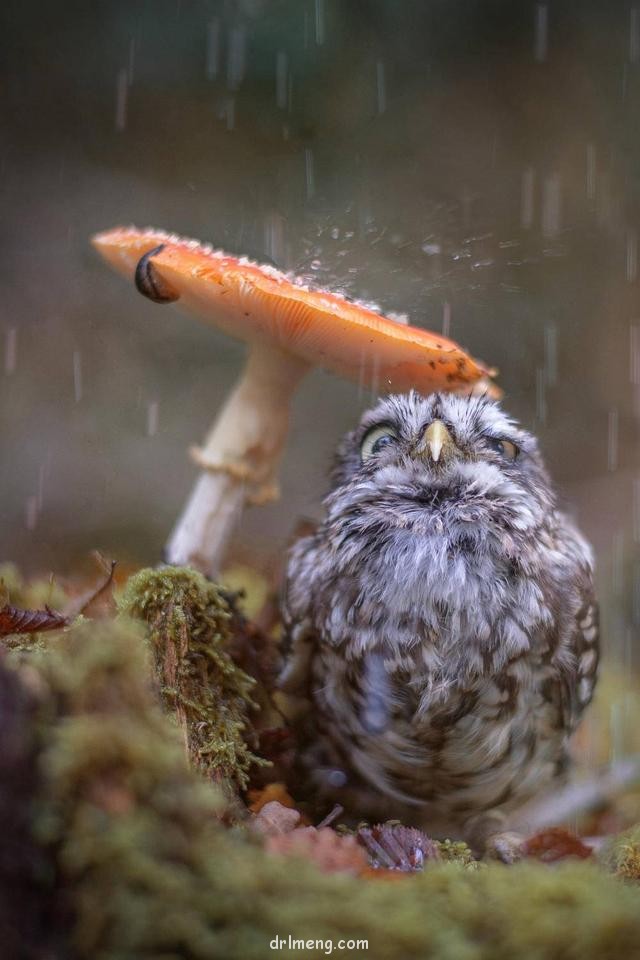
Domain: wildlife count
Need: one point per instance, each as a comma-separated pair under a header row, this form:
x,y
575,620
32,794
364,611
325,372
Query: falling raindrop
x,y
152,418
282,85
77,375
551,354
632,256
617,562
541,395
381,87
636,509
446,319
212,57
551,206
541,35
274,237
634,354
11,351
526,207
635,596
122,84
42,472
612,440
31,512
309,173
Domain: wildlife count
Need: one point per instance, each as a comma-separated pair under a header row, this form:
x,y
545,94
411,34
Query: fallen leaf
x,y
14,620
554,844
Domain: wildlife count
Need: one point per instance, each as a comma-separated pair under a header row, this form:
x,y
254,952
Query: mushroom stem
x,y
239,458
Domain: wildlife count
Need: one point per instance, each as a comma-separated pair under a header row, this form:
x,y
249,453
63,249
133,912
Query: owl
x,y
441,626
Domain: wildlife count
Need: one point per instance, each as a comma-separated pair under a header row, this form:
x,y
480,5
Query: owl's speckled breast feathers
x,y
441,622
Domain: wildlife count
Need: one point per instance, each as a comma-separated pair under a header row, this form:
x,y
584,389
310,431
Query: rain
x,y
467,169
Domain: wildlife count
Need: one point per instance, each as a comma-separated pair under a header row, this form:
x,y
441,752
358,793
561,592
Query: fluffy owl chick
x,y
441,622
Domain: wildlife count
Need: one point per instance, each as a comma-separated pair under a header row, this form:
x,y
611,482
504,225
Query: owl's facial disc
x,y
440,463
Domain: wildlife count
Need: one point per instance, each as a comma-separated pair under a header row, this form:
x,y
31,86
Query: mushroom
x,y
289,328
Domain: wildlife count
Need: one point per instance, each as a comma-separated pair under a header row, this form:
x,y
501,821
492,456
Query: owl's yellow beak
x,y
437,443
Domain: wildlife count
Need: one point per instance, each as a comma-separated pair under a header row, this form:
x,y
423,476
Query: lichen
x,y
142,868
188,621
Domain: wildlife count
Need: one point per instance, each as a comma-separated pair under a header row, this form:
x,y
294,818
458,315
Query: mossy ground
x,y
124,837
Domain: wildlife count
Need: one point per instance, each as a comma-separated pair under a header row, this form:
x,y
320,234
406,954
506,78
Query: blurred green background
x,y
473,164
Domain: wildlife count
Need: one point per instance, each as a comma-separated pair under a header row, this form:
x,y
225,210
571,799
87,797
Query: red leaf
x,y
555,844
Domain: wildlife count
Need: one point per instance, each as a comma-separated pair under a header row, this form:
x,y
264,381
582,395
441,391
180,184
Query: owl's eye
x,y
375,439
505,448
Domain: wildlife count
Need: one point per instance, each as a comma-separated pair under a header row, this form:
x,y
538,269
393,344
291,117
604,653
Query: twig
x,y
337,811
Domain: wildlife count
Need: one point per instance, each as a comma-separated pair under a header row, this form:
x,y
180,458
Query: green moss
x,y
458,852
29,595
131,861
622,856
143,869
189,631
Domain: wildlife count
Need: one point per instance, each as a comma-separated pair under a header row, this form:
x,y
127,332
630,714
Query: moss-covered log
x,y
189,628
141,866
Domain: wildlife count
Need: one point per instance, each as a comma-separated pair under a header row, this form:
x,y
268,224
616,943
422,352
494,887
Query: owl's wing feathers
x,y
299,639
299,644
576,647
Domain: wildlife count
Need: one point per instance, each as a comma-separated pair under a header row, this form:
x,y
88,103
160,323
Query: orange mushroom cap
x,y
253,302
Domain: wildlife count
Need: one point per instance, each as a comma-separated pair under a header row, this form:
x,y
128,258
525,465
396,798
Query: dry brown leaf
x,y
16,621
554,844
